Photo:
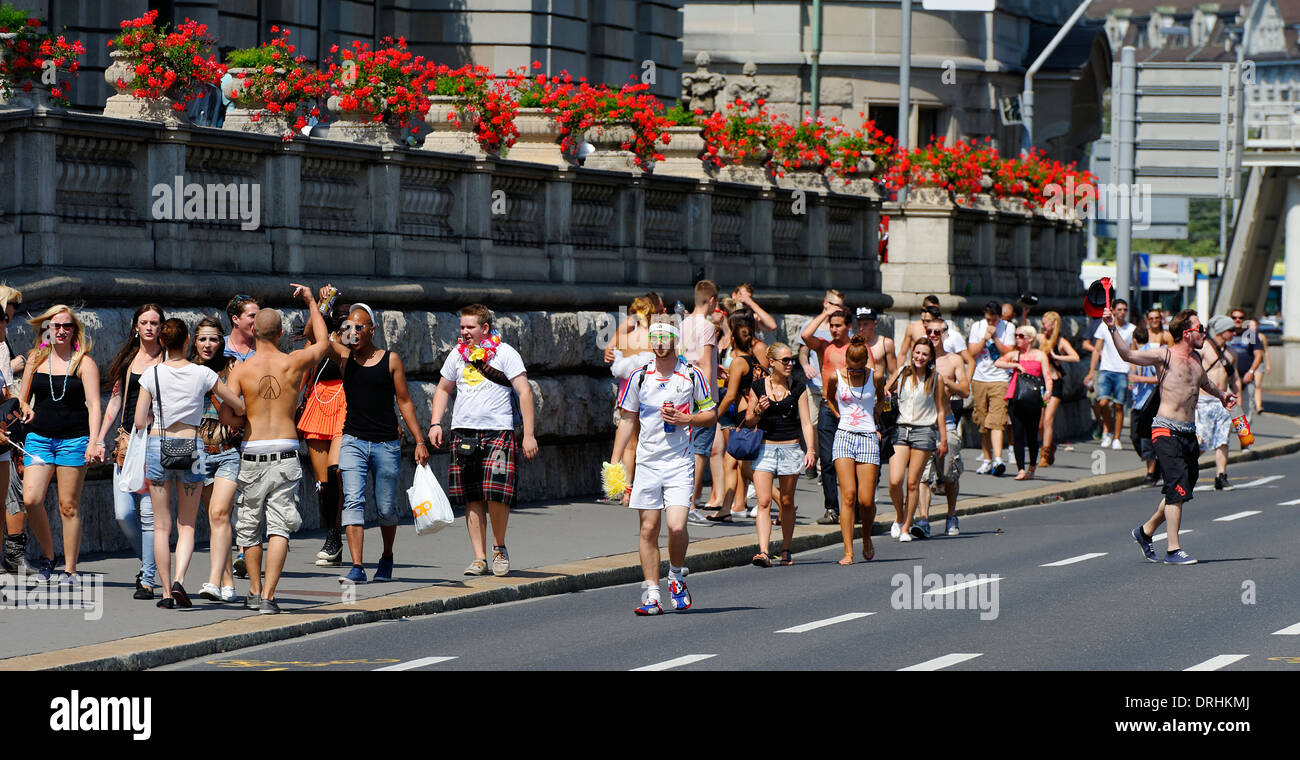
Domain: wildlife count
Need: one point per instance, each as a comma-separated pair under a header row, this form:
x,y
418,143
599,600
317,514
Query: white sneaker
x,y
895,530
752,513
1106,438
750,493
904,537
1115,444
985,467
695,517
227,593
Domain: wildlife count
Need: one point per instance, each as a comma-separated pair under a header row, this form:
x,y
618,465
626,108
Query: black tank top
x,y
781,420
128,401
370,395
64,418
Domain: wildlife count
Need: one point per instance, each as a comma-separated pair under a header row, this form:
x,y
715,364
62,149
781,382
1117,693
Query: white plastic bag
x,y
429,503
131,478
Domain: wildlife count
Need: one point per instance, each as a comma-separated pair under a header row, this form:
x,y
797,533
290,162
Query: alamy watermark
x,y
954,591
234,201
1102,201
27,592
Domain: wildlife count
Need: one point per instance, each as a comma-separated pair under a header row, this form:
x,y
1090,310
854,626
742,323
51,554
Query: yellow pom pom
x,y
613,479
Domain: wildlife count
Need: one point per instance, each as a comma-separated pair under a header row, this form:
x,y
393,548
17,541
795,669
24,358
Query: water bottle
x,y
668,426
680,312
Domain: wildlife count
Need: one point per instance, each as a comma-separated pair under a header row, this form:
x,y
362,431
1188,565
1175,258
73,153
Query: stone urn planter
x,y
983,200
927,194
444,135
681,153
861,183
1013,204
752,168
538,141
812,179
358,127
124,105
609,153
37,99
239,117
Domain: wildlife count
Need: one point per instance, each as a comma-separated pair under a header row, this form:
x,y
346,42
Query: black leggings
x,y
330,498
1024,430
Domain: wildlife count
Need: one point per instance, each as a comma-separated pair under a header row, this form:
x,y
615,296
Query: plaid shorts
x,y
863,448
488,476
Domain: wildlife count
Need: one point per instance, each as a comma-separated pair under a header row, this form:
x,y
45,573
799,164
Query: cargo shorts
x,y
268,493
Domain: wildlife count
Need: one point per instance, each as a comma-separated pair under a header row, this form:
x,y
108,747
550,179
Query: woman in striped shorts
x,y
854,396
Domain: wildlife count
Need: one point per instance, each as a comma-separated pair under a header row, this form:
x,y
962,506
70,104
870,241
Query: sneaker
x,y
1106,440
921,529
142,592
1179,557
384,572
269,607
356,575
1144,544
951,526
999,469
752,512
894,530
210,592
904,537
678,594
241,568
830,518
500,561
253,602
14,558
1116,445
44,569
1221,483
750,493
696,517
985,467
477,567
331,555
70,580
227,594
650,607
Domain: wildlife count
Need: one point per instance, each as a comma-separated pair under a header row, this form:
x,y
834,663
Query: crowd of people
x,y
217,415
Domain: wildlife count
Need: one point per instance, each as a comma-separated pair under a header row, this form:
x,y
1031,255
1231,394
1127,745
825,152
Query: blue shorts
x,y
780,459
702,440
154,471
1112,385
224,465
61,452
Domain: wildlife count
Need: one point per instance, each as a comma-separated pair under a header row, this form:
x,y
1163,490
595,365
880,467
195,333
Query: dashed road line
x,y
1291,503
823,623
1072,560
1290,630
1163,536
1237,515
1248,484
1218,661
676,662
943,662
961,586
413,664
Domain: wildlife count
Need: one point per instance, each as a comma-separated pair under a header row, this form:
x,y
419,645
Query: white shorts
x,y
655,486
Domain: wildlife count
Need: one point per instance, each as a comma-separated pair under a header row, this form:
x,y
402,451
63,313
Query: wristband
x,y
435,424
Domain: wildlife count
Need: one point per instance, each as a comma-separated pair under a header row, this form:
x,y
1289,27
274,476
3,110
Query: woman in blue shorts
x,y
221,444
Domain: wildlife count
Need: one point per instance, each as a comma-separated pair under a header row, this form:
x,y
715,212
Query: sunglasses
x,y
934,332
349,326
787,360
1022,335
1237,319
61,326
862,371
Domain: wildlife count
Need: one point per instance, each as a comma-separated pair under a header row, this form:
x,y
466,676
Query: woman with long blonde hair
x,y
1058,351
922,403
59,419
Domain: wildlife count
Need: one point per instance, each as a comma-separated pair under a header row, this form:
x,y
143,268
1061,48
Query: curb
x,y
169,647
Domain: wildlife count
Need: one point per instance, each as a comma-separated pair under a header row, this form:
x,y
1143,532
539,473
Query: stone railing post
x,y
1017,220
471,217
921,238
629,229
282,202
698,232
161,162
29,157
757,236
559,213
817,241
384,177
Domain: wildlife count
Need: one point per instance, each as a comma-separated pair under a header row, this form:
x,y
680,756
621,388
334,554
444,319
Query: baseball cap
x,y
1219,324
866,312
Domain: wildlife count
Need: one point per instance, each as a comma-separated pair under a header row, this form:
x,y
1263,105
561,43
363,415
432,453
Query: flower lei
x,y
483,352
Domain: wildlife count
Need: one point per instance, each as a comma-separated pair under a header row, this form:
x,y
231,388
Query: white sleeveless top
x,y
857,405
915,406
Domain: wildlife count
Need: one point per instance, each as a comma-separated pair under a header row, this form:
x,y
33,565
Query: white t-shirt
x,y
1110,361
985,372
480,403
184,392
953,343
646,393
698,337
824,333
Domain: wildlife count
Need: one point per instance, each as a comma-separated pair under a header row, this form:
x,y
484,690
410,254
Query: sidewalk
x,y
556,547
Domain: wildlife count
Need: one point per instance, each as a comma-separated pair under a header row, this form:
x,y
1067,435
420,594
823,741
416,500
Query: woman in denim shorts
x,y
921,403
853,397
220,443
777,407
173,394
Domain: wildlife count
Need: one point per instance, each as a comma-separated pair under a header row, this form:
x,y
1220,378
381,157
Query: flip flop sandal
x,y
714,518
761,560
786,560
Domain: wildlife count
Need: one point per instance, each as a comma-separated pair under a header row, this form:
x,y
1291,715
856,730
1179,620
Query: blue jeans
x,y
360,461
826,425
134,513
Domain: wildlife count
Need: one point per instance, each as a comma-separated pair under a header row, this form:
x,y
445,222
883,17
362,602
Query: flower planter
x,y
539,139
124,105
861,183
239,116
610,154
681,153
38,99
1013,205
751,170
811,179
928,195
357,127
444,135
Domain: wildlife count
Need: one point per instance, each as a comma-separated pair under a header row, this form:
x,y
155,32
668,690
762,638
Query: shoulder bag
x,y
175,453
744,443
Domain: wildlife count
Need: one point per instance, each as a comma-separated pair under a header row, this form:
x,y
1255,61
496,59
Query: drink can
x,y
668,426
327,301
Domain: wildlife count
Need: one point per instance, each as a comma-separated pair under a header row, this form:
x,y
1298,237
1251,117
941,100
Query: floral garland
x,y
483,352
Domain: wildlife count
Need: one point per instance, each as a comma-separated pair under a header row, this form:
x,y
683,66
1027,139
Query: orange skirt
x,y
322,419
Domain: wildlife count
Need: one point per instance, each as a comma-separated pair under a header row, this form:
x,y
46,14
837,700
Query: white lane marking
x,y
1291,503
1291,630
1237,515
942,662
676,662
1248,484
1072,560
961,586
413,664
1163,536
1218,661
822,623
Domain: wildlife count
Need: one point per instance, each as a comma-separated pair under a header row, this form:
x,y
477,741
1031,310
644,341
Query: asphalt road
x,y
1059,586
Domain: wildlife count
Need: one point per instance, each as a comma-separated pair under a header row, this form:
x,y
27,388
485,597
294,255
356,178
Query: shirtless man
x,y
944,472
882,348
916,330
270,470
1173,431
1212,421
